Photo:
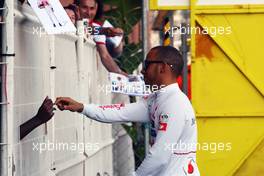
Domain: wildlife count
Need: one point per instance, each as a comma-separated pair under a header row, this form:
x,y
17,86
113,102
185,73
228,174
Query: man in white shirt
x,y
170,113
92,11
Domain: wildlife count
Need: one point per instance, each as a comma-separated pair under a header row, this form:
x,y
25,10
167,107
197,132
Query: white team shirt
x,y
173,130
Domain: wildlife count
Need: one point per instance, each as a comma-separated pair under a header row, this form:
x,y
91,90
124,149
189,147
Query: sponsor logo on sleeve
x,y
113,106
163,126
163,122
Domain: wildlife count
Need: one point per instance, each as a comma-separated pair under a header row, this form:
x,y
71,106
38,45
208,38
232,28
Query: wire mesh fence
x,y
127,16
129,148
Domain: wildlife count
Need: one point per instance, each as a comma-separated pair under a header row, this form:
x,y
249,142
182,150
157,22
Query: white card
x,y
52,16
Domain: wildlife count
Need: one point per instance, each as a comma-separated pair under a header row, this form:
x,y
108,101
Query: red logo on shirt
x,y
162,126
190,168
163,119
113,106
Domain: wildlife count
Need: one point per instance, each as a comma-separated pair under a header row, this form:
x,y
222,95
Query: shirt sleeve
x,y
115,41
171,124
99,39
134,112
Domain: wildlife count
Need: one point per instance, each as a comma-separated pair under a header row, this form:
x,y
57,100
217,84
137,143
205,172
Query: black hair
x,y
171,56
100,9
74,8
70,7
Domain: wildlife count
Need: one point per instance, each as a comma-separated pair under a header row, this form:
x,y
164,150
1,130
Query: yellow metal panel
x,y
242,134
223,9
227,92
218,87
213,9
242,45
253,165
153,5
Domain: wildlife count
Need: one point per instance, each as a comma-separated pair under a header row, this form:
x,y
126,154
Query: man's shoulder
x,y
174,101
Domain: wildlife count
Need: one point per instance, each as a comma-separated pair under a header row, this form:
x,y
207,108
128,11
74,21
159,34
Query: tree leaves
x,y
125,14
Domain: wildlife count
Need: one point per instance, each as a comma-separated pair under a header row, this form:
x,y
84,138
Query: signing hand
x,y
111,32
66,103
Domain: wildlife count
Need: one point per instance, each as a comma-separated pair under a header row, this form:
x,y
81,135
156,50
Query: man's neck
x,y
167,82
162,85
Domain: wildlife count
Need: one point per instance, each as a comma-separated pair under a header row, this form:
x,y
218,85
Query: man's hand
x,y
111,32
66,103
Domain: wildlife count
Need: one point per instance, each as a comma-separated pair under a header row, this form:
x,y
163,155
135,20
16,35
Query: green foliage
x,y
138,143
125,14
131,58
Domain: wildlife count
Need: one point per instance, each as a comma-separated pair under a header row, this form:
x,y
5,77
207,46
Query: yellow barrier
x,y
228,88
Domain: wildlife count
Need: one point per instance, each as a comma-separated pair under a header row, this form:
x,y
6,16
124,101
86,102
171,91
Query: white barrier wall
x,y
79,79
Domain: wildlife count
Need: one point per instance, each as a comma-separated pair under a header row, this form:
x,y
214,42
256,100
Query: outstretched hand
x,y
45,112
66,103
